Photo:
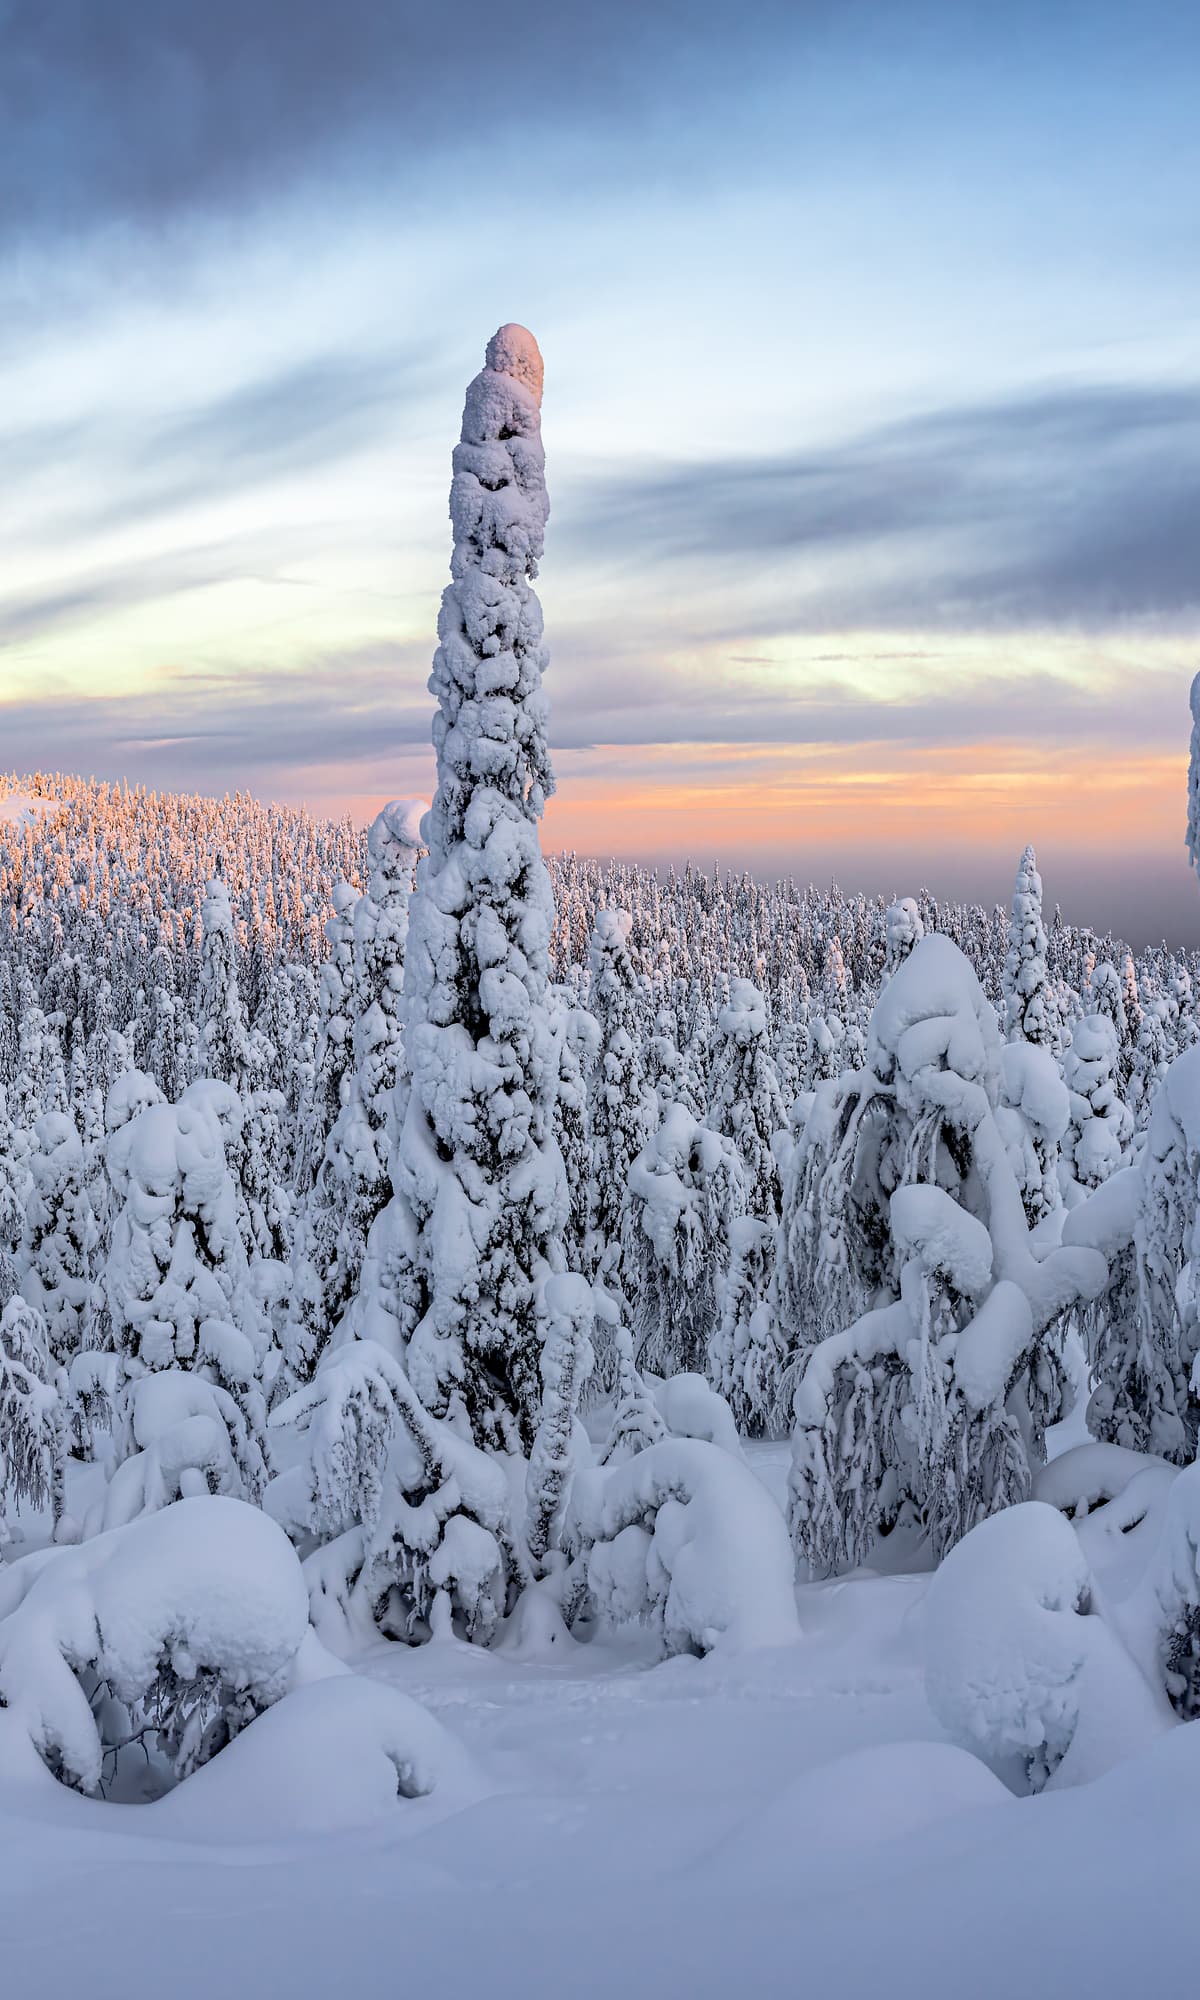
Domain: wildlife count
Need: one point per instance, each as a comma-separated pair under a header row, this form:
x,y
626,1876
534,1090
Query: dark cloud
x,y
140,110
1081,504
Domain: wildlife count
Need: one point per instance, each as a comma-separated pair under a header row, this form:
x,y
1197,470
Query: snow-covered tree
x,y
1151,1054
1101,1129
928,1334
1033,1115
59,1240
415,1518
746,1103
225,1051
177,1283
353,1183
15,1195
685,1187
477,1164
903,929
1030,1014
570,1313
620,1115
33,1425
576,1041
747,1353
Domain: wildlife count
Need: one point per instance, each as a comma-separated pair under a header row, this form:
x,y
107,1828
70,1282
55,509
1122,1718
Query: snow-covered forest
x,y
437,1276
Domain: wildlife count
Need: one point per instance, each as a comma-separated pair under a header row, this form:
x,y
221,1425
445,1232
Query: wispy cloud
x,y
1075,504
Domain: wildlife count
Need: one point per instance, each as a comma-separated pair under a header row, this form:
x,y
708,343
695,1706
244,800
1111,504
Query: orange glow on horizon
x,y
739,801
975,796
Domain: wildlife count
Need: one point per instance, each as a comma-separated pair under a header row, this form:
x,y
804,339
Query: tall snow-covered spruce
x,y
477,1163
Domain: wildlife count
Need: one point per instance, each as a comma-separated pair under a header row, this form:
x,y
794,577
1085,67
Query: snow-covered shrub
x,y
418,1517
33,1421
171,1631
1021,1666
691,1408
684,1539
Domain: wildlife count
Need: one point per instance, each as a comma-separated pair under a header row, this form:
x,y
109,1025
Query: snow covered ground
x,y
785,1820
19,808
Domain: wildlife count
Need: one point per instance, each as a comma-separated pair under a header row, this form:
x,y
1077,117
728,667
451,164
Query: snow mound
x,y
880,1792
335,1754
1019,1666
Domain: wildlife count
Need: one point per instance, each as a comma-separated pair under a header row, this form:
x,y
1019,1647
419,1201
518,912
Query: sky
x,y
872,414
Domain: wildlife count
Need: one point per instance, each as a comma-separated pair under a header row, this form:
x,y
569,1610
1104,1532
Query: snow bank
x,y
882,1792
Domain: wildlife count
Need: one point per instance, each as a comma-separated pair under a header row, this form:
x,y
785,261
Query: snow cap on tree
x,y
396,828
903,928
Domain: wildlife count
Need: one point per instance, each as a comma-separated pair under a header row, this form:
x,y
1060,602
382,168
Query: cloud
x,y
141,111
295,422
1076,504
87,594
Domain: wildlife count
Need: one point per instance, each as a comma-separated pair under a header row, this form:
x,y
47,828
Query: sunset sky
x,y
872,416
